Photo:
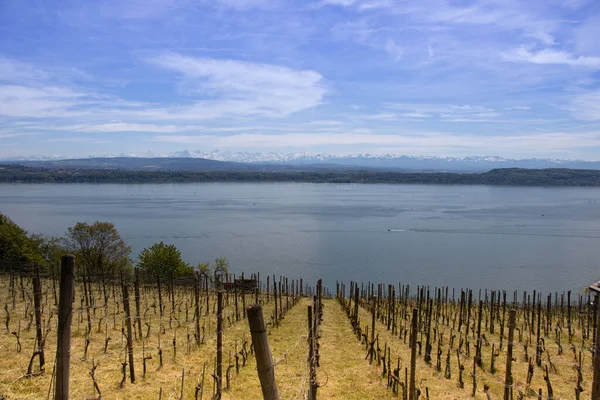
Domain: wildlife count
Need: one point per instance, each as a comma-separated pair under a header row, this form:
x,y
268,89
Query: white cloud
x,y
367,33
13,135
77,140
543,37
125,127
586,34
360,4
360,31
394,50
326,122
435,142
450,113
382,116
374,4
586,106
447,69
551,56
344,3
245,88
243,4
38,102
215,89
12,70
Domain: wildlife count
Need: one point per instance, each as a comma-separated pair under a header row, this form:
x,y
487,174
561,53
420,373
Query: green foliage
x,y
204,268
99,248
163,261
50,248
16,245
221,268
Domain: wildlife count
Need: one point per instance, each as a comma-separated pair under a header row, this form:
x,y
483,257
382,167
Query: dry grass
x,y
563,380
344,373
289,348
13,365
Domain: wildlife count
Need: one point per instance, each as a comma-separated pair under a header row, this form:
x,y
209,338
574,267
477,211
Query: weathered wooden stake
x,y
129,332
264,361
138,317
37,300
508,380
197,307
219,372
596,381
65,315
312,385
412,394
372,343
478,359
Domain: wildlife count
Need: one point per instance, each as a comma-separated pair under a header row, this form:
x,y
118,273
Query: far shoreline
x,y
13,173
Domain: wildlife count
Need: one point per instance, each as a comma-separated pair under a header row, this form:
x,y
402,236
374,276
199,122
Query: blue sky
x,y
510,78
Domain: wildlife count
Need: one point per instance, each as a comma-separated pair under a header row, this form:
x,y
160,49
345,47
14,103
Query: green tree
x,y
100,249
163,261
15,244
221,269
51,248
204,269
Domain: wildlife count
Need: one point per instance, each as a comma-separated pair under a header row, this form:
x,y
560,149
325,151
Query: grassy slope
x,y
563,381
289,349
344,372
13,365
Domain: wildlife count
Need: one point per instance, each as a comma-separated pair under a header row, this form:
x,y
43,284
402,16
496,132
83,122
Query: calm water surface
x,y
476,236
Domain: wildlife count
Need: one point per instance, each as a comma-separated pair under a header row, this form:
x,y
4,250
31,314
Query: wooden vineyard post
x,y
219,372
569,315
197,310
508,380
129,332
262,352
65,315
356,294
37,299
596,381
412,394
478,359
275,300
372,343
207,294
160,302
138,318
312,388
53,283
538,349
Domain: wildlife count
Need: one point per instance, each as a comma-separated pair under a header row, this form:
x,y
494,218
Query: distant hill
x,y
508,176
170,164
389,162
140,164
249,161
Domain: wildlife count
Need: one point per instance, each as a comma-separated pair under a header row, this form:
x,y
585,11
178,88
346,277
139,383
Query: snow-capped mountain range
x,y
384,161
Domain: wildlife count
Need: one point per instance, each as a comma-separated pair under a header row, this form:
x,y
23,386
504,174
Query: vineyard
x,y
197,338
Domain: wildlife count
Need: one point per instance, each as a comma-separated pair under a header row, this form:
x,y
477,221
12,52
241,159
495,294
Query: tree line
x,y
101,253
503,176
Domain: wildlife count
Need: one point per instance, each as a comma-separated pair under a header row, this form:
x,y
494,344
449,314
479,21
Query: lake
x,y
512,238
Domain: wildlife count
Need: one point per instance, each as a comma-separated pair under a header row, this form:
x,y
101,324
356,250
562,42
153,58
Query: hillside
x,y
456,344
510,176
170,164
